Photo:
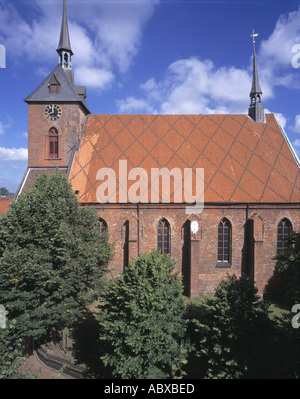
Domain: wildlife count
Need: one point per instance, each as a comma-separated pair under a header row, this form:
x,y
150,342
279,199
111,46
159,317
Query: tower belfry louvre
x,y
251,177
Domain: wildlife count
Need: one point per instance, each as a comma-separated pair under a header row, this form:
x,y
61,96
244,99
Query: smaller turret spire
x,y
64,47
256,109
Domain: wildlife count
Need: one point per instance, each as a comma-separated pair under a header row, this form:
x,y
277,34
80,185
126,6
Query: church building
x,y
219,193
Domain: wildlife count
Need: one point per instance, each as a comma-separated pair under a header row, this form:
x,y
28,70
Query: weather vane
x,y
253,35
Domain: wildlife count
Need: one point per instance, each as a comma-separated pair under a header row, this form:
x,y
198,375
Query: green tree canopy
x,y
142,322
51,257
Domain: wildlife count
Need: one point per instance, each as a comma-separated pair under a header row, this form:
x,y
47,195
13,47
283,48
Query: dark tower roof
x,y
67,91
64,40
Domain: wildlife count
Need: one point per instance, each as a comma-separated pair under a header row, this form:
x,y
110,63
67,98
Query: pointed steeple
x,y
255,82
256,109
64,47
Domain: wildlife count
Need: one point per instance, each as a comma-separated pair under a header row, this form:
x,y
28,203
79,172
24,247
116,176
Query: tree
x,y
230,336
11,357
141,319
51,258
5,192
288,265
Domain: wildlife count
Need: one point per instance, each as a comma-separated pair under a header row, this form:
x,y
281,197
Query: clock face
x,y
53,112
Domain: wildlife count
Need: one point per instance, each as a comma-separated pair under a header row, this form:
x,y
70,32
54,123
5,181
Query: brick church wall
x,y
231,149
134,230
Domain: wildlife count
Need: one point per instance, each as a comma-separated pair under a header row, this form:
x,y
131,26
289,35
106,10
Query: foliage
x,y
11,356
288,265
284,356
5,192
229,332
141,320
51,257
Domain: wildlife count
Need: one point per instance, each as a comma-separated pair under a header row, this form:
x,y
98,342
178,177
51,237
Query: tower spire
x,y
256,109
64,46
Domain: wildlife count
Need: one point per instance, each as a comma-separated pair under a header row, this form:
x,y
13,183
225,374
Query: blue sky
x,y
150,56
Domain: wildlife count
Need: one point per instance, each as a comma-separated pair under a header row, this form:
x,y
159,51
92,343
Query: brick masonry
x,y
133,228
69,127
244,162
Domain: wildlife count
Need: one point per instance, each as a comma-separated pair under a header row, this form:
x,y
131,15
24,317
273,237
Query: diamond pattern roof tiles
x,y
243,161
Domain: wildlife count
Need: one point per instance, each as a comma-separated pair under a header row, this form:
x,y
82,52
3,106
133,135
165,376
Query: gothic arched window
x,y
53,143
284,232
163,236
102,225
224,241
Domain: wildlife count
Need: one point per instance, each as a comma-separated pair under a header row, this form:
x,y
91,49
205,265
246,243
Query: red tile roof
x,y
243,161
4,203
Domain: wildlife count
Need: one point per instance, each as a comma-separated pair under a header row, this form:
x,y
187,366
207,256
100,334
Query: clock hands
x,y
53,111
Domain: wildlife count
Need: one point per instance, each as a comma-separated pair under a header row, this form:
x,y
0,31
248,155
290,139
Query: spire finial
x,y
64,46
256,109
253,36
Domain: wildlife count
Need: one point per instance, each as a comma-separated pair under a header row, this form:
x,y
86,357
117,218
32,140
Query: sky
x,y
150,57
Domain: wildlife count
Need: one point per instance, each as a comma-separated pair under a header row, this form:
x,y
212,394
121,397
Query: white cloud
x,y
119,28
197,86
134,104
4,126
296,143
94,77
105,36
296,128
25,39
280,117
276,53
277,49
1,129
13,154
194,86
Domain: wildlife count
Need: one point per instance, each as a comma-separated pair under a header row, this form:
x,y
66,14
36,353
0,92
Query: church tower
x,y
256,109
56,111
